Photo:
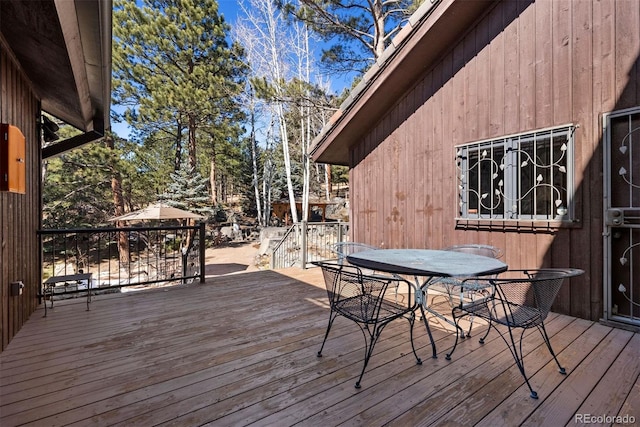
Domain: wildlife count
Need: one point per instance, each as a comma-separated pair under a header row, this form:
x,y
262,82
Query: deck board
x,y
564,402
241,350
607,397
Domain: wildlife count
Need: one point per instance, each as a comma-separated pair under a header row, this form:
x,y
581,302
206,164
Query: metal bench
x,y
52,282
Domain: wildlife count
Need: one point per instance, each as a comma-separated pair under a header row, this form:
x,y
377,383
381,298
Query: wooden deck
x,y
241,350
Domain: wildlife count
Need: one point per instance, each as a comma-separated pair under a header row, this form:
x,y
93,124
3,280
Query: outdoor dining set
x,y
373,287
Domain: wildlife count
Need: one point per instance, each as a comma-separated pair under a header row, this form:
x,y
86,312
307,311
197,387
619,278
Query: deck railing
x,y
307,242
153,255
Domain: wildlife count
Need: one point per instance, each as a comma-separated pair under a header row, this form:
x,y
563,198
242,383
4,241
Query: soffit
x,y
64,48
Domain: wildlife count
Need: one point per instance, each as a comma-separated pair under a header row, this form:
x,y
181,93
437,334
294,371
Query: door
x,y
622,216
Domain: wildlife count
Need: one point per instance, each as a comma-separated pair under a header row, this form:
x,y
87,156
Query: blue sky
x,y
228,8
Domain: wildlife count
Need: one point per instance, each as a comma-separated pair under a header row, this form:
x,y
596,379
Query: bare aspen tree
x,y
262,33
304,60
254,157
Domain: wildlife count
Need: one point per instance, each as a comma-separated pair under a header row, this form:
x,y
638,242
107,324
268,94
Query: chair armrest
x,y
395,282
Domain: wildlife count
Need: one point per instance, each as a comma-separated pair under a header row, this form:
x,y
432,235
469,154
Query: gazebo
x,y
282,209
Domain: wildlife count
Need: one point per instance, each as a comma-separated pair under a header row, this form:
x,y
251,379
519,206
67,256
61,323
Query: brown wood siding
x,y
19,213
523,66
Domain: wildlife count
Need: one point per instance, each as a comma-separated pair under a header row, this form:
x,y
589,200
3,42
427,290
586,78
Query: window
x,y
520,177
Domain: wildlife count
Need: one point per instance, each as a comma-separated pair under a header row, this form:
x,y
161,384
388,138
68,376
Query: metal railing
x,y
123,257
307,242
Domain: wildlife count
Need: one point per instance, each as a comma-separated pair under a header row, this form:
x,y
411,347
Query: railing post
x,y
41,263
185,255
303,243
203,248
340,236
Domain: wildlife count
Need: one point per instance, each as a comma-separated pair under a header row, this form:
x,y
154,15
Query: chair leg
x,y
450,292
516,352
332,317
371,338
468,335
543,331
458,329
471,317
460,332
369,343
486,334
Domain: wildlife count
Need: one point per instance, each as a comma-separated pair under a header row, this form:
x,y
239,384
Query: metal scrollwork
x,y
526,160
624,149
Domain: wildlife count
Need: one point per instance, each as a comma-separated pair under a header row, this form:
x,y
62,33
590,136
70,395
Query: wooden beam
x,y
70,143
68,17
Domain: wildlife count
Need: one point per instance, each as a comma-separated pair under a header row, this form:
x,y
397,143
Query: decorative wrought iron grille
x,y
622,215
528,176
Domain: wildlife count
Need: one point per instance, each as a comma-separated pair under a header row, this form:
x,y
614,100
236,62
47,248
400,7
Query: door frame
x,y
607,271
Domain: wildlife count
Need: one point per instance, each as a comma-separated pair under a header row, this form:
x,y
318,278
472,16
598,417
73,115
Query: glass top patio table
x,y
427,262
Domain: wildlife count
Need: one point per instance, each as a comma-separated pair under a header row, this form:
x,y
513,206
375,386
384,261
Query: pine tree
x,y
177,75
77,186
188,191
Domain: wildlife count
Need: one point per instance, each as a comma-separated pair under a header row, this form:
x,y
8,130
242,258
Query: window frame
x,y
500,180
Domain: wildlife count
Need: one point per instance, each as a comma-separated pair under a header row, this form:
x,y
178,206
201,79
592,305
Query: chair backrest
x,y
477,249
532,290
344,249
351,293
332,272
547,283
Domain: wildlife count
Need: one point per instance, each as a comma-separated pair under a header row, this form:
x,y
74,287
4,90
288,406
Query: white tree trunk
x,y
327,182
266,44
254,159
306,125
212,179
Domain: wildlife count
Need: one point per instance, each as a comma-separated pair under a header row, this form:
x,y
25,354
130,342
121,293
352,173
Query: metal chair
x,y
450,286
344,249
477,249
519,299
361,298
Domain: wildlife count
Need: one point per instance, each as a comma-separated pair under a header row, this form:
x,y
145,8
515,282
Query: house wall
x,y
19,213
524,66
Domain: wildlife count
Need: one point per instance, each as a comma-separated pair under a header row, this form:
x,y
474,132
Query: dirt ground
x,y
231,258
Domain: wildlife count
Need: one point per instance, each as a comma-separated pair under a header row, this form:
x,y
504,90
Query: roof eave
x,y
64,49
86,27
429,33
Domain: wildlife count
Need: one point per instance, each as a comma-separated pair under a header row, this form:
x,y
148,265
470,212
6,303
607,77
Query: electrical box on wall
x,y
12,159
16,289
